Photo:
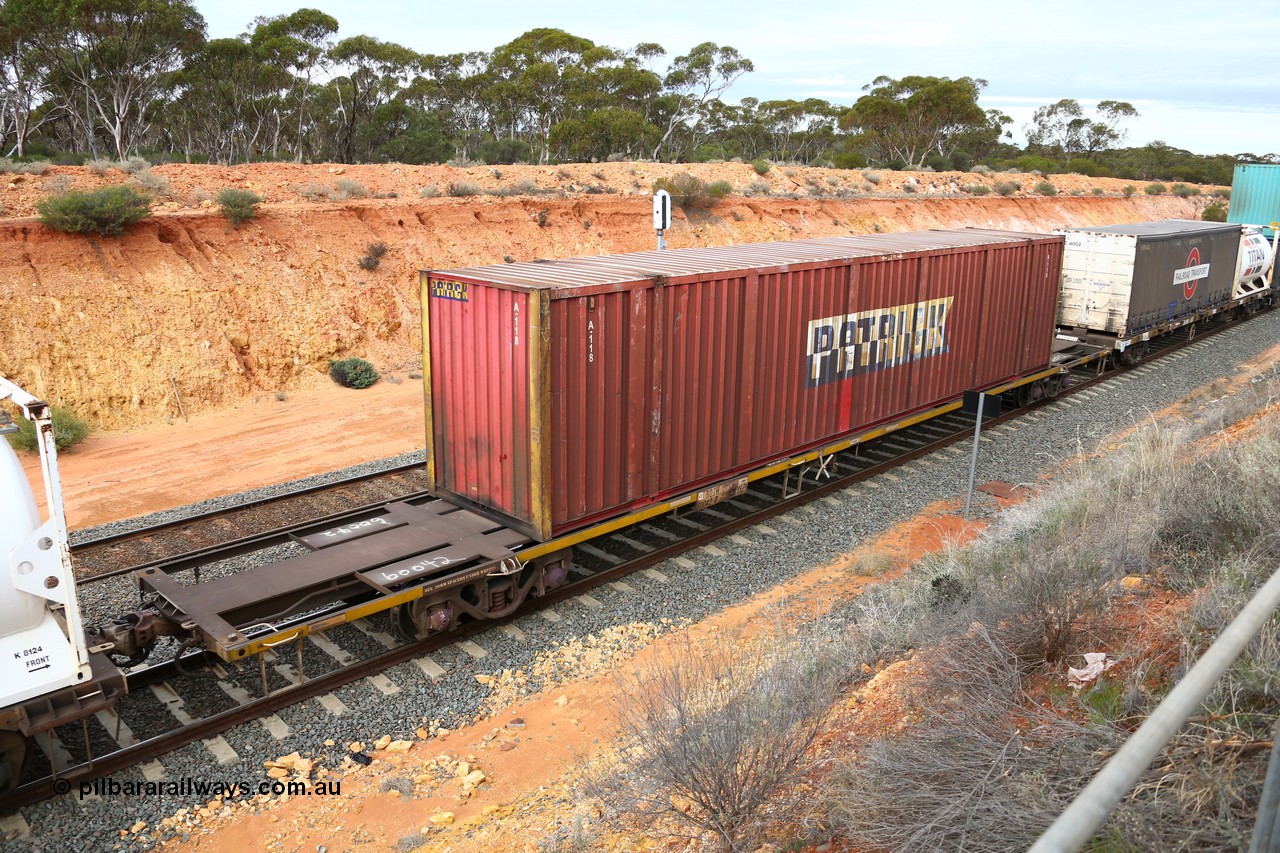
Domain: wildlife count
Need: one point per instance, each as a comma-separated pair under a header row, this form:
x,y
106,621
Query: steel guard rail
x,y
1075,826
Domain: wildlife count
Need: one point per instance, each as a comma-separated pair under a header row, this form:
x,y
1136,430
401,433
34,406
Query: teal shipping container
x,y
1255,196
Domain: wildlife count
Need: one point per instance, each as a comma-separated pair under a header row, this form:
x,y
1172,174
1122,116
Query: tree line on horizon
x,y
87,79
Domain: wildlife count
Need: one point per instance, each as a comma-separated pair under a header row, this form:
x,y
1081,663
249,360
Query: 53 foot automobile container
x,y
564,393
1127,279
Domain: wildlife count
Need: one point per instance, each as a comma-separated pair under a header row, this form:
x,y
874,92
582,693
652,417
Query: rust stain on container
x,y
665,372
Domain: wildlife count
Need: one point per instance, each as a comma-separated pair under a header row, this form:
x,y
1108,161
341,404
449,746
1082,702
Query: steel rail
x,y
239,545
254,503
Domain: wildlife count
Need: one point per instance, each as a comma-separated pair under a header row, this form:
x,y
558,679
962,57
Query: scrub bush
x,y
238,206
717,732
107,211
345,188
1214,211
505,152
68,431
690,191
152,183
35,167
373,256
353,372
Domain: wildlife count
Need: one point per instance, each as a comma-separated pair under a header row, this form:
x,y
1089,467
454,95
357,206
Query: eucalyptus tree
x,y
1063,130
798,130
377,72
110,61
231,104
451,87
25,104
740,128
695,79
602,133
532,79
298,43
907,120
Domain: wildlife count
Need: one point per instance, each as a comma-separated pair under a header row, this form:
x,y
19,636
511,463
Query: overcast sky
x,y
1196,71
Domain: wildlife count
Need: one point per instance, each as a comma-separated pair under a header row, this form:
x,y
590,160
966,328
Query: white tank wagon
x,y
49,675
1255,267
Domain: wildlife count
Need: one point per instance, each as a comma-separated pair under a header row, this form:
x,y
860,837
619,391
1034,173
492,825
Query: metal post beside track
x,y
979,405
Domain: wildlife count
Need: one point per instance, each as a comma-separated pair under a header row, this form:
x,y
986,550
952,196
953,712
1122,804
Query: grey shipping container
x,y
1128,279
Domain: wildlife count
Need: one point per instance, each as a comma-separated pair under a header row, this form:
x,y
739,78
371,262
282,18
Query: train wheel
x,y
401,617
15,759
418,620
1026,395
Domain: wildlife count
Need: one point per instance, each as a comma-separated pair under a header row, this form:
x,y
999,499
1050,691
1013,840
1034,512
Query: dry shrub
x,y
690,191
1202,792
57,184
714,733
345,189
152,182
982,769
313,191
569,838
983,766
1042,578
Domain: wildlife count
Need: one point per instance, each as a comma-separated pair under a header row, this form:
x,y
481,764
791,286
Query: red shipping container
x,y
564,393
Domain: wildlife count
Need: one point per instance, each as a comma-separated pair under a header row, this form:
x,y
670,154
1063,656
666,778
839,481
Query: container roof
x,y
637,266
1161,228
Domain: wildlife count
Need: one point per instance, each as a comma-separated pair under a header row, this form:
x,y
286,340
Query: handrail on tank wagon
x,y
59,586
1075,826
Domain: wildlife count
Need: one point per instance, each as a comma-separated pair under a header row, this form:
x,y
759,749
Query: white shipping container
x,y
1097,280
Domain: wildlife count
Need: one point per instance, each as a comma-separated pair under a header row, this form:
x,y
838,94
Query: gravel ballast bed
x,y
824,531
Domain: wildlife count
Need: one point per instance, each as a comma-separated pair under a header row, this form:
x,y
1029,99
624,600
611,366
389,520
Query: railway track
x,y
201,697
225,532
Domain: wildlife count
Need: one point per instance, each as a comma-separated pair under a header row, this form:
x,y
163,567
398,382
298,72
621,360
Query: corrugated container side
x,y
601,374
1255,196
1160,295
663,385
479,391
1097,274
